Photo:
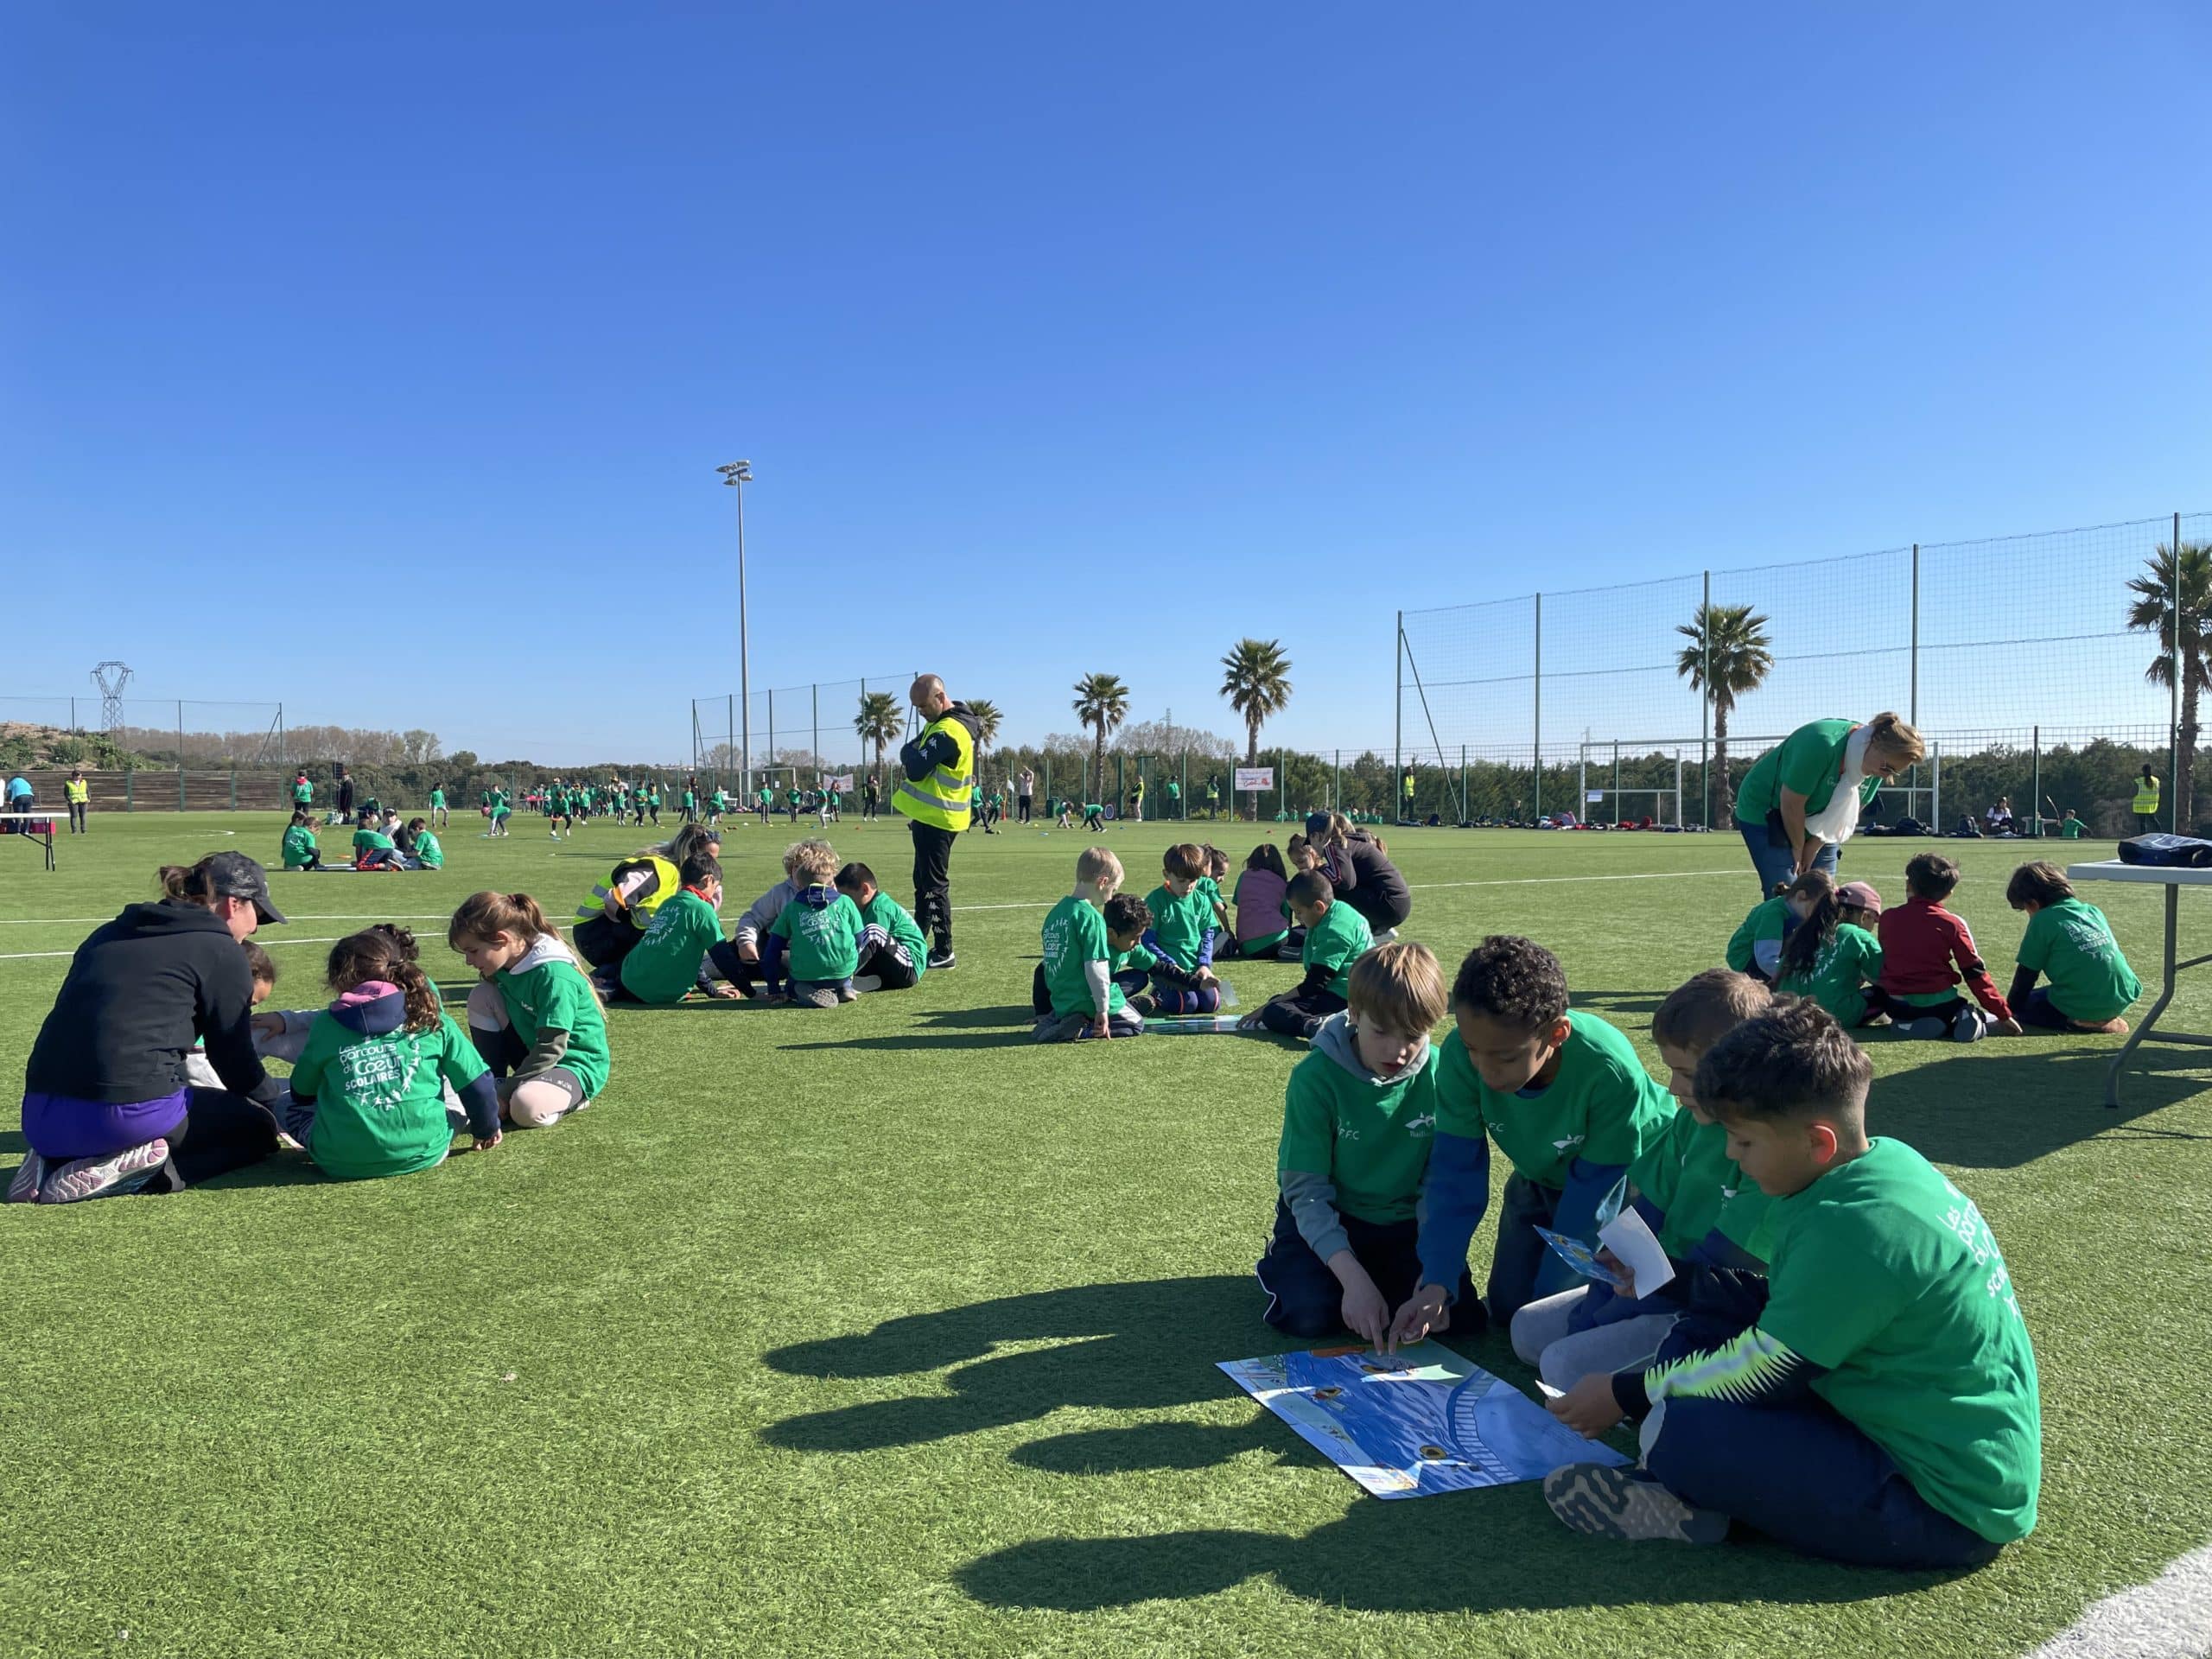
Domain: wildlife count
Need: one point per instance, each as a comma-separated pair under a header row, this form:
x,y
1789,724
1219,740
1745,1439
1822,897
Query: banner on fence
x,y
1253,779
842,783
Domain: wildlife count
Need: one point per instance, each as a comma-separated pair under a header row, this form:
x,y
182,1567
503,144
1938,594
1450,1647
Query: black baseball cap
x,y
236,876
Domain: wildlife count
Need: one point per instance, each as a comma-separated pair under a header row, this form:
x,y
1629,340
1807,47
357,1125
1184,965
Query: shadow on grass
x,y
1009,1017
1616,1004
1020,1039
1979,1110
12,1141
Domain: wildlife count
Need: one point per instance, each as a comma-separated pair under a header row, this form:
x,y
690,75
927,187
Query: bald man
x,y
933,796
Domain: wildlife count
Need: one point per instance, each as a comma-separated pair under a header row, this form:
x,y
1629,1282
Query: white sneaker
x,y
87,1178
868,982
30,1175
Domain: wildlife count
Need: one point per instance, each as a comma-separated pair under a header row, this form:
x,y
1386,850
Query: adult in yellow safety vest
x,y
2146,801
609,923
80,797
937,772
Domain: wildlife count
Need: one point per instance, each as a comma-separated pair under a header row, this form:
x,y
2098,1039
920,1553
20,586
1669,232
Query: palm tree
x,y
879,721
1727,659
1257,686
1102,703
988,721
2153,612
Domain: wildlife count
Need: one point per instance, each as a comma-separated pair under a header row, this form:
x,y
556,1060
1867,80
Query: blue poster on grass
x,y
1413,1423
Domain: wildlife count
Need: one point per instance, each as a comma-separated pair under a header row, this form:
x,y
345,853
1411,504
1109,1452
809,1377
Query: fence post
x,y
2173,678
1539,811
180,772
1704,705
2036,800
1616,781
234,789
816,690
1398,711
1282,782
179,747
130,789
1463,786
1936,785
771,730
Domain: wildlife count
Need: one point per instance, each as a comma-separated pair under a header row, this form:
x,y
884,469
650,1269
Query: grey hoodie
x,y
1312,1199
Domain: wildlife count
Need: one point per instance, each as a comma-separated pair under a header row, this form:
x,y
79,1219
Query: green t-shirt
x,y
1602,1106
1210,890
1886,1274
1367,1138
792,797
1180,924
1849,960
1809,762
721,800
1686,1171
1337,941
1767,920
2070,828
304,792
665,963
556,996
825,943
888,914
299,846
1075,933
379,1108
2072,943
370,840
437,797
427,849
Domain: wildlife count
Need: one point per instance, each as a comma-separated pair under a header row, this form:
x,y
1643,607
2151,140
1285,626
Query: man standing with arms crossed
x,y
938,772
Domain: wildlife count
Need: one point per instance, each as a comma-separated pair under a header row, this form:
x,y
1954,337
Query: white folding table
x,y
34,826
2173,880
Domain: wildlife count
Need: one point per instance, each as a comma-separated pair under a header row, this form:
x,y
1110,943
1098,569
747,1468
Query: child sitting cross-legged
x,y
1263,929
1883,1408
1568,1101
821,929
893,954
535,1019
300,850
1337,936
1181,939
1083,998
1705,1215
368,1090
2091,984
1830,956
758,946
1926,952
1358,1118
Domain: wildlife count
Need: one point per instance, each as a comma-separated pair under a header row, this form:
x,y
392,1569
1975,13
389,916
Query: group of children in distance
x,y
1840,1359
381,842
1904,966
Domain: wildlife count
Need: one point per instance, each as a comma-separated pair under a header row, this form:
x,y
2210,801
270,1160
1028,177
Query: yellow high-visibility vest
x,y
77,791
2146,797
666,883
941,798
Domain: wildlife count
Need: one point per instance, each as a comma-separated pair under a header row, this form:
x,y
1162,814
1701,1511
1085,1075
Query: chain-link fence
x,y
801,734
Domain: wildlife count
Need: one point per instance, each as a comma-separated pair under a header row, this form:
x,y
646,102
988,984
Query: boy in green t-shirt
x,y
1705,1215
300,852
439,817
1358,1117
2091,984
428,856
374,850
1884,1407
1181,937
792,796
2070,827
1083,999
821,929
683,947
893,954
1336,937
1568,1102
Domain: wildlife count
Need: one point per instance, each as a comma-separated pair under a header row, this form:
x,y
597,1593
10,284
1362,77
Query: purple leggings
x,y
61,1125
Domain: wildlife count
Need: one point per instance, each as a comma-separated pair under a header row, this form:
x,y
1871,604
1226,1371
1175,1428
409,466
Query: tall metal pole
x,y
1704,707
2173,674
737,475
1398,709
1912,716
1539,812
817,689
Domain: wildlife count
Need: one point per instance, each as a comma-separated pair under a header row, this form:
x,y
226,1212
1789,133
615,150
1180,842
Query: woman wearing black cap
x,y
1360,871
106,1104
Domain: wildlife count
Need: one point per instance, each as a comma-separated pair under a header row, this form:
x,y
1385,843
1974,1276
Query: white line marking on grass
x,y
61,921
273,938
2169,1617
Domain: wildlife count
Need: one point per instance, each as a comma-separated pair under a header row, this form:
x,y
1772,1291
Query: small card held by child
x,y
1633,1245
1583,1259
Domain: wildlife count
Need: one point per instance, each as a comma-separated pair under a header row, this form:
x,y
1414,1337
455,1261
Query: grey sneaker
x,y
868,982
1969,1027
30,1175
87,1178
1608,1502
1927,1030
849,992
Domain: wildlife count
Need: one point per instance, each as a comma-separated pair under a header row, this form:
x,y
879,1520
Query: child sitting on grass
x,y
535,1019
1358,1118
1209,885
1830,957
373,849
756,943
893,954
1181,940
1882,1409
1695,1200
681,948
1336,937
2091,984
1926,952
1262,913
821,929
428,856
368,1090
300,851
1756,946
1568,1101
1084,1000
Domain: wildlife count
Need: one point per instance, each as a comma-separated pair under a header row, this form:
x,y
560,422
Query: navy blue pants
x,y
1805,1475
1520,1261
1292,1015
1305,1300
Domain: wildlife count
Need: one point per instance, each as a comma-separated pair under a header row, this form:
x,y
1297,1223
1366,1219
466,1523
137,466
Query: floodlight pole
x,y
737,475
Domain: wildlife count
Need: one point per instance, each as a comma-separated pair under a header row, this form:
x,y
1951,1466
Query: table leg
x,y
2165,996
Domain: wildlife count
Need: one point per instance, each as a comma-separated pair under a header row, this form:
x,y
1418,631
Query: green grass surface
x,y
881,1331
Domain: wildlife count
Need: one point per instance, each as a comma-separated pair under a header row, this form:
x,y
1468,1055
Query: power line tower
x,y
110,677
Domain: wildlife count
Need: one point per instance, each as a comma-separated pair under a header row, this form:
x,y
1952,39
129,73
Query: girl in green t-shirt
x,y
1831,956
535,1019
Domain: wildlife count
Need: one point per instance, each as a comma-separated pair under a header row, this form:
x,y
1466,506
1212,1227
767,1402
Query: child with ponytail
x,y
535,1019
367,1097
1830,957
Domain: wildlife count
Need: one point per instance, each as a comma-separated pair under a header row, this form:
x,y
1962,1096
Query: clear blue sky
x,y
377,360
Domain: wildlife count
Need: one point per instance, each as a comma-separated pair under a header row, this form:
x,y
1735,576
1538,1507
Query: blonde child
x,y
754,939
820,930
2091,984
367,1097
1831,956
535,1019
1085,998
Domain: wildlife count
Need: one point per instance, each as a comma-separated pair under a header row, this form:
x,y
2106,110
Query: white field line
x,y
2169,1617
1416,886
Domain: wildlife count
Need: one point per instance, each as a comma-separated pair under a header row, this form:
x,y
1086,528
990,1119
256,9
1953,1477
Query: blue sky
x,y
378,362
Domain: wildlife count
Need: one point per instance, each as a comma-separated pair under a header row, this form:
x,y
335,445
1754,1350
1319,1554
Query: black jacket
x,y
1364,877
139,992
917,758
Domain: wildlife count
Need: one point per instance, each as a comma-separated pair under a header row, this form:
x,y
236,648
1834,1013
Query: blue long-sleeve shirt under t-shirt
x,y
1456,1196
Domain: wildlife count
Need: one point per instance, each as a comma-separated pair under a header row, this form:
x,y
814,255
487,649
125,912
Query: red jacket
x,y
1925,949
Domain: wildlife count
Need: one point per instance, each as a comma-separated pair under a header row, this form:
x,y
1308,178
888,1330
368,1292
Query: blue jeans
x,y
1774,858
1305,1300
1803,1474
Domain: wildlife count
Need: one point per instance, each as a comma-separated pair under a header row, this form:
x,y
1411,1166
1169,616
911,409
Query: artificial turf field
x,y
881,1331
